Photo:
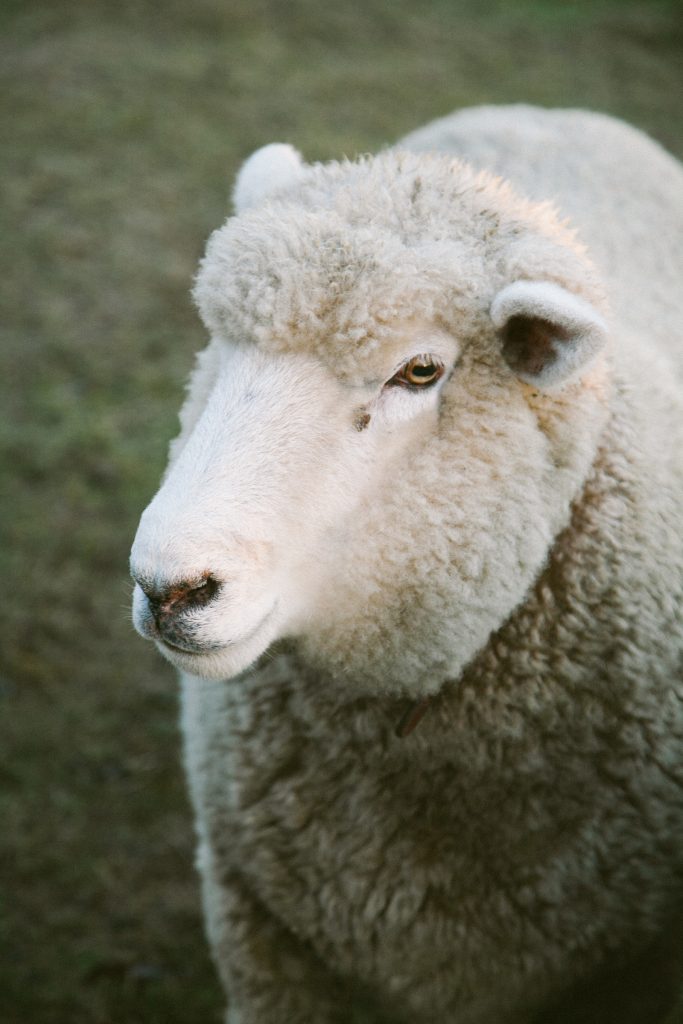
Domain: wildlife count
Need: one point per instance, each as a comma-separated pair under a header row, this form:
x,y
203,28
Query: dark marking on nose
x,y
185,595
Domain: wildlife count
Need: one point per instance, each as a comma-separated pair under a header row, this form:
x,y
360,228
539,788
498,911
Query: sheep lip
x,y
190,650
202,650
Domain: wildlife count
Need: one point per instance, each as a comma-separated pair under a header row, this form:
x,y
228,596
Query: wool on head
x,y
331,262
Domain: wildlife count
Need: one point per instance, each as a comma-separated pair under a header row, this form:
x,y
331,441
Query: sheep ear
x,y
548,333
267,170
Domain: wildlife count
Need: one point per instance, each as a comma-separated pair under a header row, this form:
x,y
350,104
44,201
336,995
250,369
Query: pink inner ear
x,y
529,343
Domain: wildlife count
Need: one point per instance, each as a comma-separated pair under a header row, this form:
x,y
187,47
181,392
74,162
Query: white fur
x,y
271,432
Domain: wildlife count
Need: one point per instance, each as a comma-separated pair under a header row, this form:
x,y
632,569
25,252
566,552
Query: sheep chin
x,y
227,660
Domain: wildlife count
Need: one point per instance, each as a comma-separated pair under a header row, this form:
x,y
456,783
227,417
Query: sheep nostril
x,y
201,593
185,595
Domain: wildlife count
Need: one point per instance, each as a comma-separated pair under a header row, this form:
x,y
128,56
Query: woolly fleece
x,y
523,564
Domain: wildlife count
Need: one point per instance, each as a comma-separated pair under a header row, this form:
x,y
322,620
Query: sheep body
x,y
528,835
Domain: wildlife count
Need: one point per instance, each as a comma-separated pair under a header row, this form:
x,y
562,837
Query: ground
x,y
124,124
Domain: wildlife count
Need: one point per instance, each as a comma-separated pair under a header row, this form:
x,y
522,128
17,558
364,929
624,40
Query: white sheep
x,y
418,557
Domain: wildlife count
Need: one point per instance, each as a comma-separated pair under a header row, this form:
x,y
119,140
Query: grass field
x,y
123,125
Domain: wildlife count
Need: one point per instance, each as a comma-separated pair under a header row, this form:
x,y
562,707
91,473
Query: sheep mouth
x,y
191,648
198,648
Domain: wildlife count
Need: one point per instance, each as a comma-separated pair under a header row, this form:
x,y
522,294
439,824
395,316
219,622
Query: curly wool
x,y
389,239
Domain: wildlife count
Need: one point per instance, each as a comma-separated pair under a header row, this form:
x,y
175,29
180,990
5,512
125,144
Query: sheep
x,y
417,556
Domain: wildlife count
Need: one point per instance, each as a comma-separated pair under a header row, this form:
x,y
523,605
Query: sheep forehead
x,y
354,250
344,303
338,297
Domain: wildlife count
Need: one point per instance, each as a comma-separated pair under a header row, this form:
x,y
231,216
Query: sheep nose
x,y
167,601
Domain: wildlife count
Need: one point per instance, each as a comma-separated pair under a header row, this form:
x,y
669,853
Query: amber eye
x,y
418,372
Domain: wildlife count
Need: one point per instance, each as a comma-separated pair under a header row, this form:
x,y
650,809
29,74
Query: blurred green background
x,y
124,123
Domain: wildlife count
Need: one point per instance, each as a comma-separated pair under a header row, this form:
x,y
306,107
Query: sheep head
x,y
403,393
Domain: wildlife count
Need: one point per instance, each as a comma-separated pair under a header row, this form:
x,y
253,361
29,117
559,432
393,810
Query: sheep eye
x,y
418,372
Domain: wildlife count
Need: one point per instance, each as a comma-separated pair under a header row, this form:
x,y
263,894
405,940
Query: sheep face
x,y
402,395
262,491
